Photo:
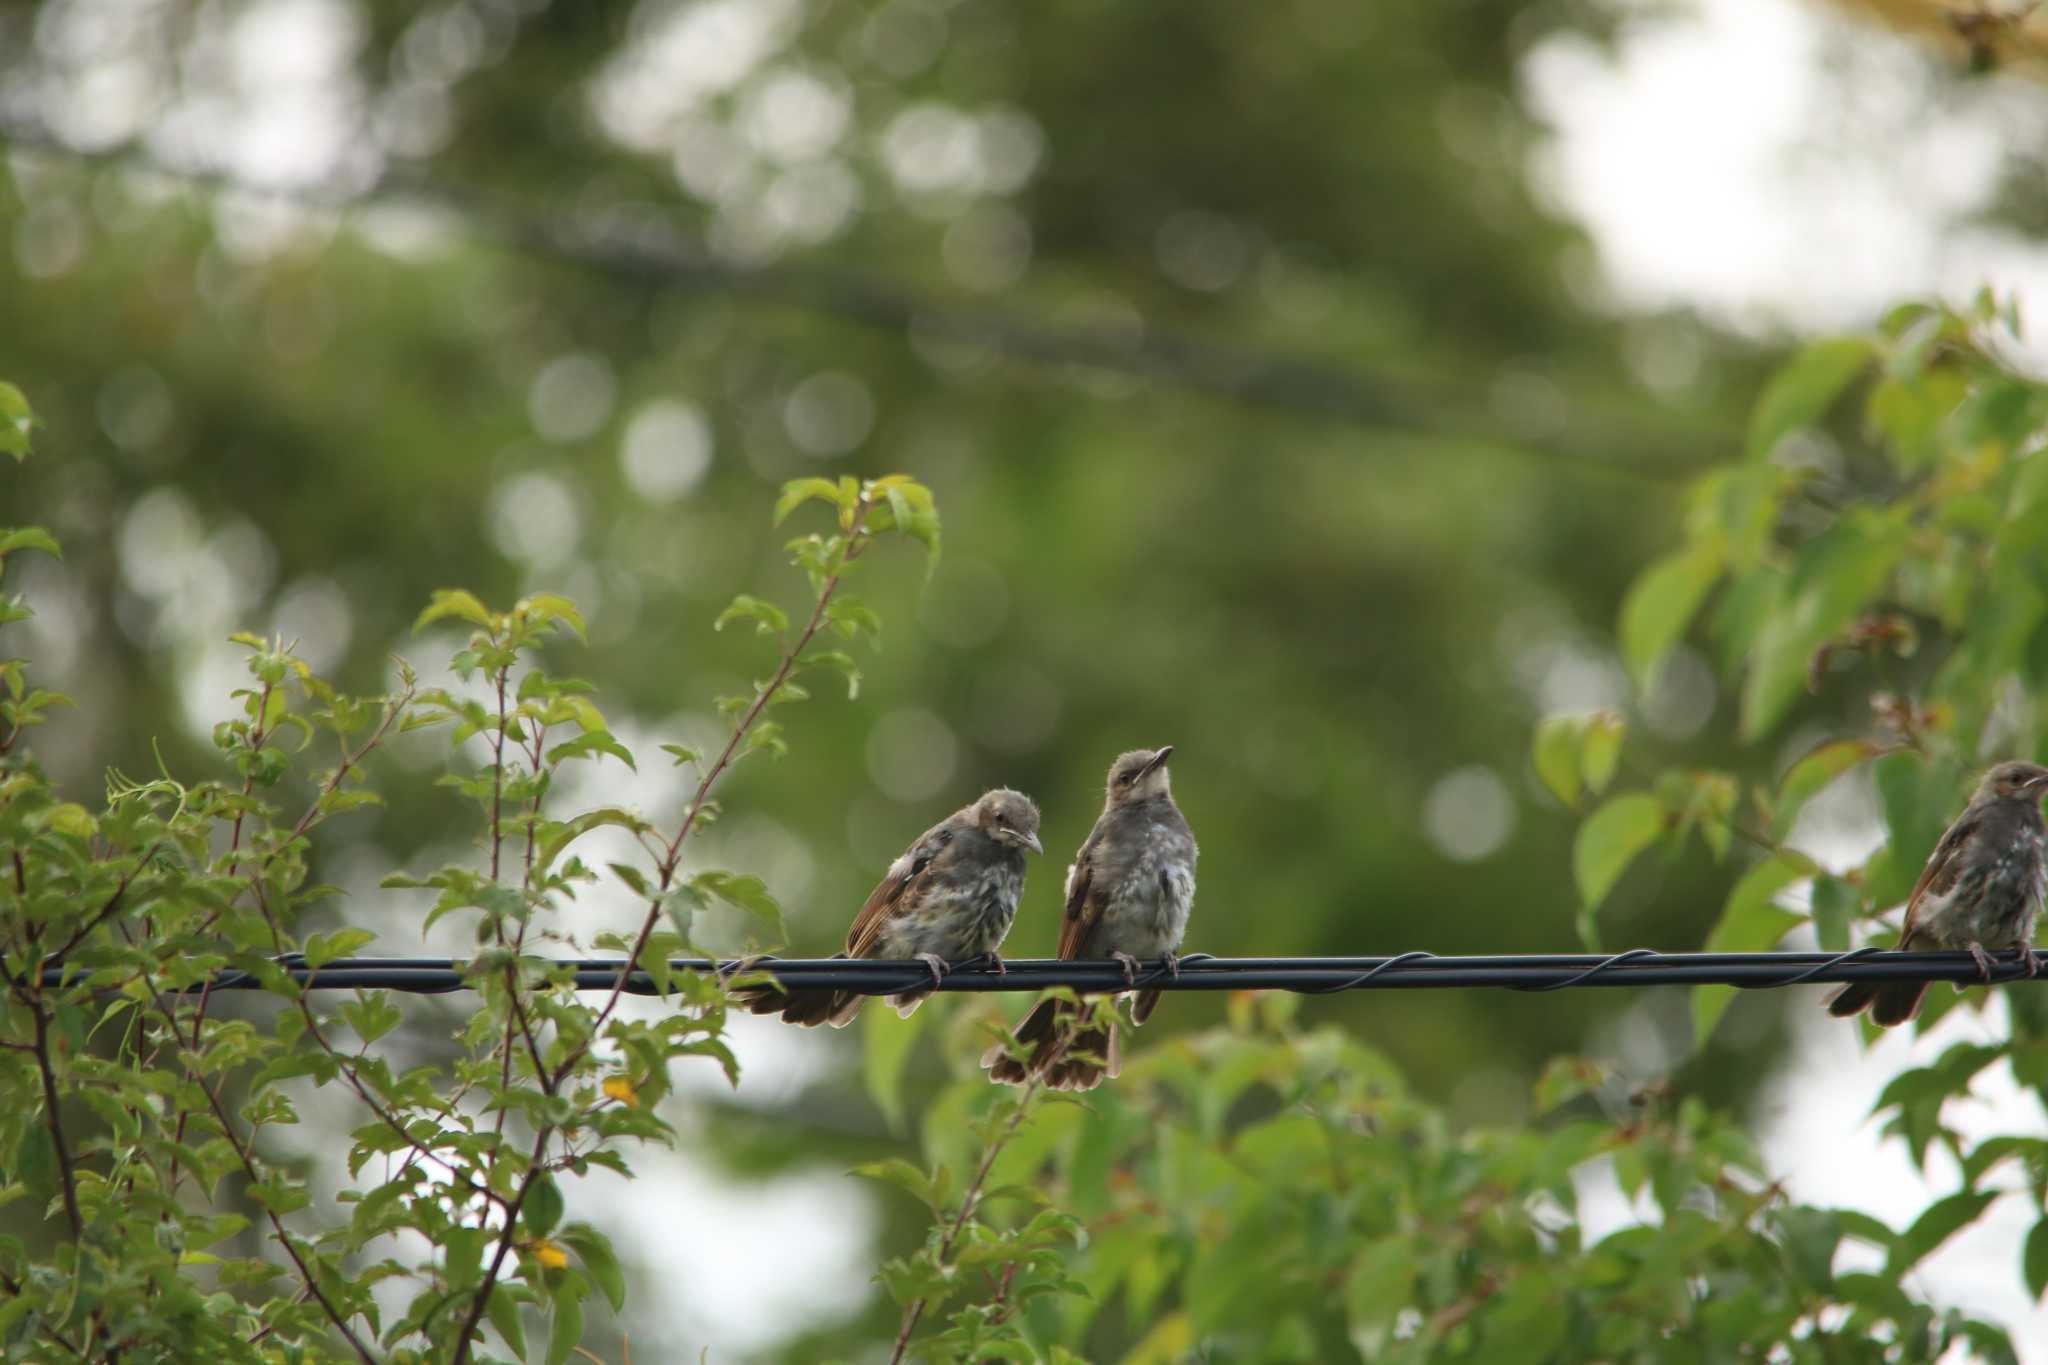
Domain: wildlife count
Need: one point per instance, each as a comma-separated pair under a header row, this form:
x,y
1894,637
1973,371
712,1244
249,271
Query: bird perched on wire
x,y
1129,892
1981,890
949,898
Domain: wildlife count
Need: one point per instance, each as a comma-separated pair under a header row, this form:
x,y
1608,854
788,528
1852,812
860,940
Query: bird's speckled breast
x,y
964,912
1149,895
1995,902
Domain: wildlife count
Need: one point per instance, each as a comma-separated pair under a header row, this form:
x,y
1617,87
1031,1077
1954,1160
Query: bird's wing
x,y
1084,905
1938,878
901,880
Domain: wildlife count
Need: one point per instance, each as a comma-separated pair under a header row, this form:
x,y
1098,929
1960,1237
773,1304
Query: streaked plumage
x,y
1129,894
949,898
1981,889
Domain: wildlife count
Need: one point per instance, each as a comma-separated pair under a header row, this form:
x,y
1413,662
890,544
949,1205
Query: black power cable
x,y
1197,972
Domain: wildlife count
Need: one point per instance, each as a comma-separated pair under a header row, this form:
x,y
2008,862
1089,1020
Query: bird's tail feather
x,y
1141,1008
1890,1003
1089,1056
807,1009
1040,1033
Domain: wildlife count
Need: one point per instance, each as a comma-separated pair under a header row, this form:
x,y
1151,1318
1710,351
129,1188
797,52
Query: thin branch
x,y
498,783
535,1169
306,1276
106,911
968,1200
349,763
65,1173
257,736
854,546
14,1290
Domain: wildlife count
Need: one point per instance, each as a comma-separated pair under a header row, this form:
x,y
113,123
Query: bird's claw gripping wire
x,y
1168,968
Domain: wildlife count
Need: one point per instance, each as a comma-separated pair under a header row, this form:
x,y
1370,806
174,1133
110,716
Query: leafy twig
x,y
65,1173
306,1275
855,543
968,1200
466,1337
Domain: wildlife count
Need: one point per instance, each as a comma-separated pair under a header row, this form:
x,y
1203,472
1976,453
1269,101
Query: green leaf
x,y
748,893
841,661
797,492
886,1044
552,606
322,949
1601,751
543,1206
35,1160
1811,1236
1660,605
29,538
1525,1324
1377,1288
771,619
592,744
1751,922
850,618
503,1311
1556,754
1566,1079
1941,1220
16,421
913,511
594,1249
1610,840
453,602
554,836
70,819
2035,1259
904,1176
1919,796
568,1329
1805,778
1801,392
1839,572
1835,904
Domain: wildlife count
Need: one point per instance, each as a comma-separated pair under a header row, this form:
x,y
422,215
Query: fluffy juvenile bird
x,y
949,898
1129,892
1981,890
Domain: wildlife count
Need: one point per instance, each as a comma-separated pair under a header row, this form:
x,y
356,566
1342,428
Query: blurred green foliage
x,y
343,411
1907,583
1345,608
1264,1192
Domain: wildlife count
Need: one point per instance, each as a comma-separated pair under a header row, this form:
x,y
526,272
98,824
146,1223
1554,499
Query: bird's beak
x,y
1158,760
1031,842
2037,784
